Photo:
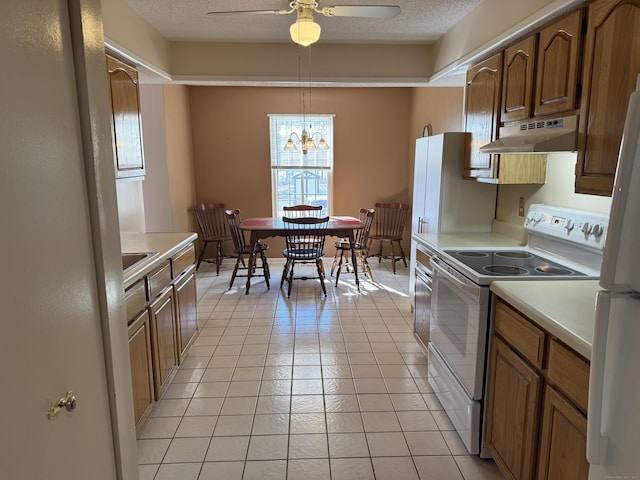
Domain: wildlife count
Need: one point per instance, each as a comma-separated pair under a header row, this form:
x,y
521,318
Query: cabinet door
x,y
141,368
517,81
612,64
125,119
558,67
563,440
513,411
163,329
482,115
187,310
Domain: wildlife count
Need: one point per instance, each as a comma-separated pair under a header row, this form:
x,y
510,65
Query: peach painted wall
x,y
441,107
180,166
372,145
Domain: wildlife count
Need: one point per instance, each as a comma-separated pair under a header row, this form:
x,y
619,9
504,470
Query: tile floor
x,y
305,387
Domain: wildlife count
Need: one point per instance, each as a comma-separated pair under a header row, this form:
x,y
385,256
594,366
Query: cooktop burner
x,y
516,263
505,270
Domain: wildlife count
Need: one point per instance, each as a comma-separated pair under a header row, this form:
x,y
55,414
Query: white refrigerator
x,y
613,424
444,202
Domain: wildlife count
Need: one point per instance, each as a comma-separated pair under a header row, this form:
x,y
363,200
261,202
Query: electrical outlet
x,y
521,207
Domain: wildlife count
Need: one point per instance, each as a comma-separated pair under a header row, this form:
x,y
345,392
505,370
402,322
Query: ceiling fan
x,y
305,31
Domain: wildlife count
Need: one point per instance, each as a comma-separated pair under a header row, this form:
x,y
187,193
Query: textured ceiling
x,y
420,21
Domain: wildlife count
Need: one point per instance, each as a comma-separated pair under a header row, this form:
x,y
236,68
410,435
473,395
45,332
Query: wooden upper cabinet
x,y
125,119
517,81
484,82
611,66
558,66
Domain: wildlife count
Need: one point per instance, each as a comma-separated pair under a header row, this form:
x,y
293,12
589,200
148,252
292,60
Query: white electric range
x,y
562,244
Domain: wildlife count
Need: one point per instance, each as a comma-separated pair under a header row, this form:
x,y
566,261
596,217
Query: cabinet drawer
x,y
159,279
527,339
182,260
135,299
569,372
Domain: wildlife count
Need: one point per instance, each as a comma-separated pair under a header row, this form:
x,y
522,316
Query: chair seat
x,y
259,248
304,239
303,253
346,246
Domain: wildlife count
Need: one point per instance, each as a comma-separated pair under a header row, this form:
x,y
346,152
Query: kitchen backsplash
x,y
558,190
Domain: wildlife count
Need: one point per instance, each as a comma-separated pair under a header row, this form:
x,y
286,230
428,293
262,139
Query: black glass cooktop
x,y
514,263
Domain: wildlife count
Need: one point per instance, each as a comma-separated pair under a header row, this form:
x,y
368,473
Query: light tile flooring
x,y
305,387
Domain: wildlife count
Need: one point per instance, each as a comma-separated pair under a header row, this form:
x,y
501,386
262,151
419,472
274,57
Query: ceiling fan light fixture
x,y
305,31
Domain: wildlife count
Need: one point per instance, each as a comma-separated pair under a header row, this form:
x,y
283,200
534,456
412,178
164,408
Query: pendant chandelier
x,y
306,137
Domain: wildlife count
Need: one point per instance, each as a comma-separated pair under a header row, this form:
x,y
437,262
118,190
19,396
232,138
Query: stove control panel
x,y
574,226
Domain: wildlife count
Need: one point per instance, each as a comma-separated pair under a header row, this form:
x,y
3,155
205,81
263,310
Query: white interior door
x,y
51,339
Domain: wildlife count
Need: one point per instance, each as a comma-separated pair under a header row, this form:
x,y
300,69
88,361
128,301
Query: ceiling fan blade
x,y
370,11
252,12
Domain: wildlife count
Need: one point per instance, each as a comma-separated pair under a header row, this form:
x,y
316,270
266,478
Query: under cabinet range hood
x,y
543,136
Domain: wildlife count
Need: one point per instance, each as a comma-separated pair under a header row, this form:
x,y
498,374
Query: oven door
x,y
458,329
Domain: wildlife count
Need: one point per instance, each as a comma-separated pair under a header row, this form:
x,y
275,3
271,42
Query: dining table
x,y
265,227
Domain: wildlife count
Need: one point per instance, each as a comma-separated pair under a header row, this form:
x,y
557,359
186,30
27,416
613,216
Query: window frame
x,y
315,162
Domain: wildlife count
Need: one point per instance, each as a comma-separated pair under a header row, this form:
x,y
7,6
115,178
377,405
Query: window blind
x,y
281,126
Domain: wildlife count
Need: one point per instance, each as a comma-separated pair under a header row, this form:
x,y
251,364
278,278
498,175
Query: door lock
x,y
68,402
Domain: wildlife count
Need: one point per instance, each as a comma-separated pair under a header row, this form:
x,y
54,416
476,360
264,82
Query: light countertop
x,y
564,308
164,244
465,240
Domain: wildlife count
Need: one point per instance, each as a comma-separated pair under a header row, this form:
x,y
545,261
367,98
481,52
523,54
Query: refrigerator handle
x,y
596,440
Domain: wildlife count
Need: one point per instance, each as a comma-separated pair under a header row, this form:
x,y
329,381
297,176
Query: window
x,y
297,178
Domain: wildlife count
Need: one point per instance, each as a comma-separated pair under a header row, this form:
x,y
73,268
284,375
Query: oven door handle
x,y
470,288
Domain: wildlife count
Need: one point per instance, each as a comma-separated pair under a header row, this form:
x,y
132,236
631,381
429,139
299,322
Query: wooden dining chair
x,y
292,211
360,247
243,249
389,227
213,230
304,241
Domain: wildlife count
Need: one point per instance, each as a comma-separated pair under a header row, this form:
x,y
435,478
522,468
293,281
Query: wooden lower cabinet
x,y
532,435
162,320
563,439
513,412
162,314
185,288
141,368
